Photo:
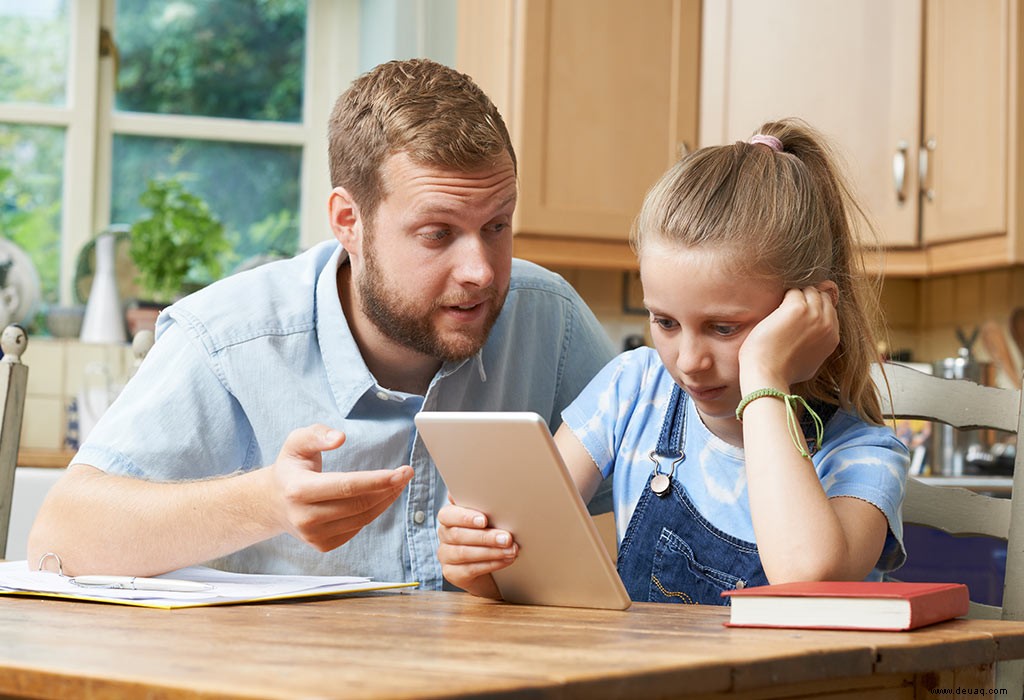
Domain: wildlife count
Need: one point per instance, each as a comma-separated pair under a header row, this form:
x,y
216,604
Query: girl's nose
x,y
692,356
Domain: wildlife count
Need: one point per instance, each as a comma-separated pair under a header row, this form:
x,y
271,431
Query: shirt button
x,y
419,517
383,395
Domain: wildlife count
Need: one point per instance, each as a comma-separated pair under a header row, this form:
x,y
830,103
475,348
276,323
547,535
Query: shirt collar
x,y
347,373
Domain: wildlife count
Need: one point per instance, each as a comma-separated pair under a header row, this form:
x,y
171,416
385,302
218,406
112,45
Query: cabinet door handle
x,y
899,171
923,159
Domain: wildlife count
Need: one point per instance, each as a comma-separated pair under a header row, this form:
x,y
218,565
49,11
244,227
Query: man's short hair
x,y
427,110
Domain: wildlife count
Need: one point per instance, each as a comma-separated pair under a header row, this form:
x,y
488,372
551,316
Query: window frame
x,y
90,122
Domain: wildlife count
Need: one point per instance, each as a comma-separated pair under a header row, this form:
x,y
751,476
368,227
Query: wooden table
x,y
432,644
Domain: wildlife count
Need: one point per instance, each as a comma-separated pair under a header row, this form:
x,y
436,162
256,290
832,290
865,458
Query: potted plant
x,y
176,249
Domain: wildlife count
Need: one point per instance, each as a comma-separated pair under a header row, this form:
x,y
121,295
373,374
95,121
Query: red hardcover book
x,y
861,605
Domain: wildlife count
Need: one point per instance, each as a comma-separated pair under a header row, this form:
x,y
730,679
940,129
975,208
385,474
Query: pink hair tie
x,y
766,140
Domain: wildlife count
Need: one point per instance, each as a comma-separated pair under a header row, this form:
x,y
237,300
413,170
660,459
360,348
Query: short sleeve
x,y
600,415
868,462
174,419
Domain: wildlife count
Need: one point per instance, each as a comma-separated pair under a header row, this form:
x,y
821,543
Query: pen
x,y
137,583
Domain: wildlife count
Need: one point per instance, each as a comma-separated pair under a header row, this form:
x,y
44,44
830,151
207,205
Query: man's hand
x,y
328,509
470,551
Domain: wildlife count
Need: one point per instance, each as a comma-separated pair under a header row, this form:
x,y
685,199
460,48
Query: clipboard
x,y
209,586
506,465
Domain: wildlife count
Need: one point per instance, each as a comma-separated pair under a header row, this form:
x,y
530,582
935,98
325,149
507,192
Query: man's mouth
x,y
467,311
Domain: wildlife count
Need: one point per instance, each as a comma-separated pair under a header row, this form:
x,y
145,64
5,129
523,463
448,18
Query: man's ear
x,y
346,224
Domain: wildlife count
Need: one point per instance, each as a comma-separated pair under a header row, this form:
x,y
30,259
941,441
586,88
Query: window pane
x,y
30,197
252,189
33,51
214,58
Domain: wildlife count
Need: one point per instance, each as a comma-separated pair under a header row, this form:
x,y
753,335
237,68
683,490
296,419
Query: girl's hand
x,y
790,344
470,551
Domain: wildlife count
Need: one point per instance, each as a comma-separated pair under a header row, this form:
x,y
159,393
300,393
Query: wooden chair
x,y
966,405
13,380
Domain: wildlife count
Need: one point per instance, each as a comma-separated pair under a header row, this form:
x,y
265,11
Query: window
x,y
230,96
34,39
218,60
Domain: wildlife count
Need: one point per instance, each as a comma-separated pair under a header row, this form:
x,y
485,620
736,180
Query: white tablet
x,y
506,465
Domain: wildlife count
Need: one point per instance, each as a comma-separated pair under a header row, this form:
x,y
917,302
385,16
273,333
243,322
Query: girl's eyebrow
x,y
728,313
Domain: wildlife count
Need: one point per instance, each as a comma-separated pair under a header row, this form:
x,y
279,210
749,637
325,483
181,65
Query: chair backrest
x,y
13,382
966,405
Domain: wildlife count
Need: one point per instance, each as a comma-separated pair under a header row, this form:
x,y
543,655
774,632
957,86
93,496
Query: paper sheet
x,y
18,578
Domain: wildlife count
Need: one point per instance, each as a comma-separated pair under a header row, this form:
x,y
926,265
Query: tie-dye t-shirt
x,y
618,418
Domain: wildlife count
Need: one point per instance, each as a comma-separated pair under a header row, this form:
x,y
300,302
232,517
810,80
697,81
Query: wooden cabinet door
x,y
965,119
852,69
600,95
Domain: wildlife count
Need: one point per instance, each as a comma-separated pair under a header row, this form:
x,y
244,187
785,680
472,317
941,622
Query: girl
x,y
750,447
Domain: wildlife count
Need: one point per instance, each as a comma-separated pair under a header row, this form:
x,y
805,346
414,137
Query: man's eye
x,y
725,329
497,228
438,235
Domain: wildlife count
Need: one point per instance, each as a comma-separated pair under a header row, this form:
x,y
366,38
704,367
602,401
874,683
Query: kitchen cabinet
x,y
919,96
965,119
600,97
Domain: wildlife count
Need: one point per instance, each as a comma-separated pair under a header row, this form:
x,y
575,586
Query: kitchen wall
x,y
923,315
60,371
615,298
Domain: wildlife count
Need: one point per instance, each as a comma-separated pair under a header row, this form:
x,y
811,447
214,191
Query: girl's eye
x,y
724,330
666,324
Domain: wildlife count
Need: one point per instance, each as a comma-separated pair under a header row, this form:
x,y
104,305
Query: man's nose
x,y
474,264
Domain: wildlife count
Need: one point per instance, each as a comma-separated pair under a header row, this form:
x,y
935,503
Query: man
x,y
420,307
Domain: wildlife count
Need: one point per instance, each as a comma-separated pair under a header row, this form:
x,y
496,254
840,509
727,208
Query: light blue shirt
x,y
240,364
618,418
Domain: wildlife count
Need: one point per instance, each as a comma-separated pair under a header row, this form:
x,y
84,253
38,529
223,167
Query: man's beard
x,y
414,328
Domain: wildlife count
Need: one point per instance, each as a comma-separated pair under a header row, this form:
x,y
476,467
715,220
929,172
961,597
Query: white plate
x,y
23,279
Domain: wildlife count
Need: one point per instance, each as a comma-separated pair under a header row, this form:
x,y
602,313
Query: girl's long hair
x,y
786,215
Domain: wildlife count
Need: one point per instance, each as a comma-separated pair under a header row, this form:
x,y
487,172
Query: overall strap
x,y
673,427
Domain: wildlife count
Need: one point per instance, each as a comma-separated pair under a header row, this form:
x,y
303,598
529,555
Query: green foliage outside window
x,y
33,59
33,51
238,59
30,198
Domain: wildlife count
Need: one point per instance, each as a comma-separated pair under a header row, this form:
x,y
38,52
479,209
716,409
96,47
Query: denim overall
x,y
670,552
